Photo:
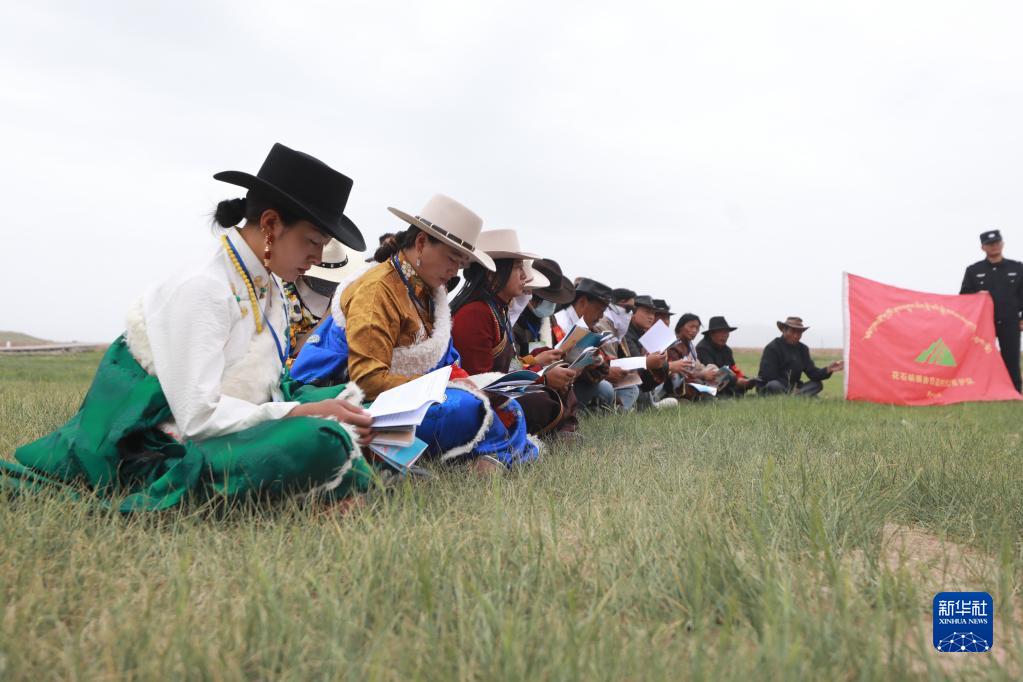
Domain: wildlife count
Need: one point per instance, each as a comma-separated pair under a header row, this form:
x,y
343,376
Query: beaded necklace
x,y
232,254
233,257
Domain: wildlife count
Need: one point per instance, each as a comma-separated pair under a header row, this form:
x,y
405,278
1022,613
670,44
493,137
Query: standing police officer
x,y
1003,279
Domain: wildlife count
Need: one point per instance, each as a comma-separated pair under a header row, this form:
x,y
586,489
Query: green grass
x,y
736,540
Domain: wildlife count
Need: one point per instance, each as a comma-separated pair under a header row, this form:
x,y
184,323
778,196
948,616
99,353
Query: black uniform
x,y
1004,281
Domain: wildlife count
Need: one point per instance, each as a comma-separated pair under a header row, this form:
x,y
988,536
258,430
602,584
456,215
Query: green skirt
x,y
113,446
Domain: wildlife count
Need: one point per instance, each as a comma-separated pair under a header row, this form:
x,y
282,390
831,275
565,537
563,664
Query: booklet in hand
x,y
580,338
629,364
703,388
406,405
657,338
584,358
522,377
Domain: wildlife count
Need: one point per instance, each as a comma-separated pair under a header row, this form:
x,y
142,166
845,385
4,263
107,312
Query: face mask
x,y
620,317
544,309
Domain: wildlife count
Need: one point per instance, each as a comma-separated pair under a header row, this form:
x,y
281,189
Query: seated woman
x,y
532,327
309,295
483,336
193,400
392,324
684,359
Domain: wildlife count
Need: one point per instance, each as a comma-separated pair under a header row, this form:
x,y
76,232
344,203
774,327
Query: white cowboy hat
x,y
337,264
453,224
505,244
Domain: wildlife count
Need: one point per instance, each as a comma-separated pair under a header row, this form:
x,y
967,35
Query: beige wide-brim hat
x,y
453,224
502,244
793,323
338,264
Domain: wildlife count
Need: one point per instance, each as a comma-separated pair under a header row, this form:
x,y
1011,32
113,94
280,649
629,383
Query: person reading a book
x,y
393,324
593,387
662,311
309,295
691,370
786,359
193,401
619,312
657,366
713,349
483,335
533,330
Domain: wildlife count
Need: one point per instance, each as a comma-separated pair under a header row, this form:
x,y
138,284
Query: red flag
x,y
912,348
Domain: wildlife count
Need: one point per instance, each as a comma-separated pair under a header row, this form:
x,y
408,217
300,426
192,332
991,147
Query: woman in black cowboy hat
x,y
193,400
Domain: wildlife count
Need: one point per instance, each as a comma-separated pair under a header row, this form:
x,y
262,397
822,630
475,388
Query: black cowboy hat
x,y
716,324
645,301
661,306
622,294
561,289
305,185
593,289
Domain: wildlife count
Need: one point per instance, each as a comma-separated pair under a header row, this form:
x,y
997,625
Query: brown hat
x,y
561,289
792,322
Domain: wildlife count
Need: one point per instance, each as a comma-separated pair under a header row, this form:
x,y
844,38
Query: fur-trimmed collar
x,y
427,350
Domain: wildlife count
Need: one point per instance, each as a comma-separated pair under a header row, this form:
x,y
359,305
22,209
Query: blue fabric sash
x,y
448,425
324,357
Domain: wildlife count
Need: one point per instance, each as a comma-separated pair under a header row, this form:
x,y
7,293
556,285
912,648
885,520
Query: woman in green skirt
x,y
193,400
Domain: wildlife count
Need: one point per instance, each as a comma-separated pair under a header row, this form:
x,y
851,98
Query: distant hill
x,y
19,339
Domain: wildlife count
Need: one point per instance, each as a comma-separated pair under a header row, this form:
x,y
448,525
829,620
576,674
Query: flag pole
x,y
845,335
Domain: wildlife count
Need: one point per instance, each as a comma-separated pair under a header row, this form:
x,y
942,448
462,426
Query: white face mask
x,y
620,318
544,309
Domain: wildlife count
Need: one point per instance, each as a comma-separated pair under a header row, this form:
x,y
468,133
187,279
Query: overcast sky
x,y
731,157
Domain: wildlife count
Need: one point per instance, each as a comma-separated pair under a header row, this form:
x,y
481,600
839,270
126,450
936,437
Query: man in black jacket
x,y
786,359
713,349
1003,279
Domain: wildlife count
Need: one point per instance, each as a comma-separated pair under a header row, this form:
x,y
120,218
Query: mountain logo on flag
x,y
937,354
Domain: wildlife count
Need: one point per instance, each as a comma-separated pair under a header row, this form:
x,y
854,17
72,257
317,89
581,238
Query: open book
x,y
513,380
577,342
397,412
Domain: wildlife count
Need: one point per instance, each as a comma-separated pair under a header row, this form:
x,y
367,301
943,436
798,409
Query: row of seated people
x,y
248,377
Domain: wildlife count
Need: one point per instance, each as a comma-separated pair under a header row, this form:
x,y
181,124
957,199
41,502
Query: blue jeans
x,y
596,395
627,396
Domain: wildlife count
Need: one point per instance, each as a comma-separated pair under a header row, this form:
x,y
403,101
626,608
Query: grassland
x,y
19,339
755,539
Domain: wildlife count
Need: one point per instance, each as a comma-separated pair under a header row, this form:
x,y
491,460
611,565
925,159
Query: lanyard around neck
x,y
411,290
